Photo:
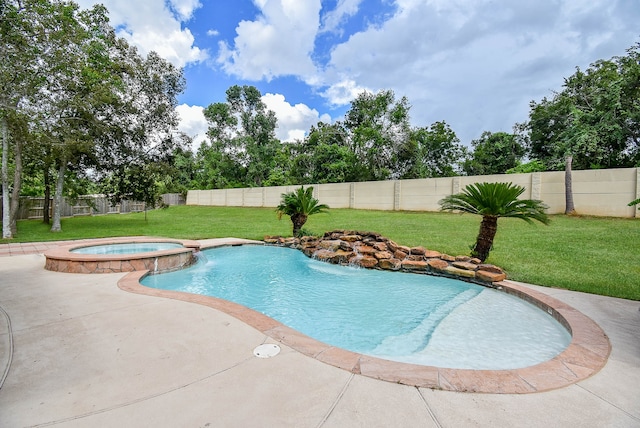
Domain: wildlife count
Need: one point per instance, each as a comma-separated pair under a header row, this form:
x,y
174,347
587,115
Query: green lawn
x,y
594,255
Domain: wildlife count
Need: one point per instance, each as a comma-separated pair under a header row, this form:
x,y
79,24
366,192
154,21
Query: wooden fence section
x,y
604,192
33,207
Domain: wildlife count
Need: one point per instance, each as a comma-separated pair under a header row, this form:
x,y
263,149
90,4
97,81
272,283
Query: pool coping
x,y
586,354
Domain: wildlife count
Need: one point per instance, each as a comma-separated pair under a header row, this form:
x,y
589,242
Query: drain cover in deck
x,y
266,350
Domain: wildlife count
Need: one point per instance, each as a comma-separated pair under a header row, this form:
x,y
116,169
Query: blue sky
x,y
476,64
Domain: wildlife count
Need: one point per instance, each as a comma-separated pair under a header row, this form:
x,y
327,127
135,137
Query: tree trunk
x,y
484,242
568,190
47,193
57,199
6,210
298,221
17,185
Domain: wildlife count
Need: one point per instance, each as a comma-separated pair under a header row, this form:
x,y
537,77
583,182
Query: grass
x,y
593,255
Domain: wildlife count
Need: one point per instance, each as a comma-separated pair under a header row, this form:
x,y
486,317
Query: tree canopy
x,y
494,153
595,118
375,141
86,101
243,142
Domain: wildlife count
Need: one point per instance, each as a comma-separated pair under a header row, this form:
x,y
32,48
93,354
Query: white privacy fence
x,y
603,192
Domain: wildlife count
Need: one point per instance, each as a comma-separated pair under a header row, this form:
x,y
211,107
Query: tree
x,y
178,174
139,134
325,156
242,132
494,153
57,74
594,122
216,169
430,152
492,201
14,125
378,125
299,205
595,119
92,103
527,167
23,27
139,182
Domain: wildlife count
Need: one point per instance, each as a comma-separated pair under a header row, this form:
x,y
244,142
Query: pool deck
x,y
77,350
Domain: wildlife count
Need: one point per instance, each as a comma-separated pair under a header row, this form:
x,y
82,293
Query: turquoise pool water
x,y
397,316
127,248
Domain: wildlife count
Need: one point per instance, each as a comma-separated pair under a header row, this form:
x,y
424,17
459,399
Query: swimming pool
x,y
401,317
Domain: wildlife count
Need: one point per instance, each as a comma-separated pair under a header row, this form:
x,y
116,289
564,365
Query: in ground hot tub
x,y
122,255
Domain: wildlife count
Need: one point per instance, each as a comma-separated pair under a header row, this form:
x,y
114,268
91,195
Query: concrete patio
x,y
76,350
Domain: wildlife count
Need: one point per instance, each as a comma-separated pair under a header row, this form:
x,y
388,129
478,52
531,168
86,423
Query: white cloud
x,y
176,46
278,43
344,9
193,123
294,121
152,26
476,64
343,92
185,8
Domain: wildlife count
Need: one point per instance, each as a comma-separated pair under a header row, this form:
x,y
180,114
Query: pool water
x,y
127,248
403,317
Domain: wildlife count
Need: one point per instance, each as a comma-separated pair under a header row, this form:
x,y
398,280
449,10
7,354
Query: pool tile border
x,y
585,356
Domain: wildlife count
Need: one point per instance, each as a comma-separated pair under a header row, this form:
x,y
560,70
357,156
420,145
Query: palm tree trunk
x,y
298,221
568,188
484,242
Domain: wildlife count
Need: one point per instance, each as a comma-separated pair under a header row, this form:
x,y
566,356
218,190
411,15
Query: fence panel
x,y
423,195
33,207
374,195
596,192
336,195
252,197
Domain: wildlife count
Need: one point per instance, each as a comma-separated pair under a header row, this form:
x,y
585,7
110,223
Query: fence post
x,y
455,185
396,195
635,211
536,185
352,195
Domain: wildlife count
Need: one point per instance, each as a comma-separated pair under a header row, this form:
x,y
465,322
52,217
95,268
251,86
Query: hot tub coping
x,y
62,259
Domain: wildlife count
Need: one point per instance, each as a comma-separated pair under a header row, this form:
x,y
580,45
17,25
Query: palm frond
x,y
496,199
300,202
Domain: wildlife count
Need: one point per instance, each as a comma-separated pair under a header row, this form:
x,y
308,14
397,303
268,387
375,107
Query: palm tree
x,y
492,201
299,205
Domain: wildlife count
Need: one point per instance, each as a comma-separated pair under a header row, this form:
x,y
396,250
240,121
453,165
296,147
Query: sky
x,y
475,64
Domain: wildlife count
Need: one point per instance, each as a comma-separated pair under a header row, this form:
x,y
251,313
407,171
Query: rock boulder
x,y
374,251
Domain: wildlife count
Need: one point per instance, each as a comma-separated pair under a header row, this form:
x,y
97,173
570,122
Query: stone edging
x,y
586,354
374,251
